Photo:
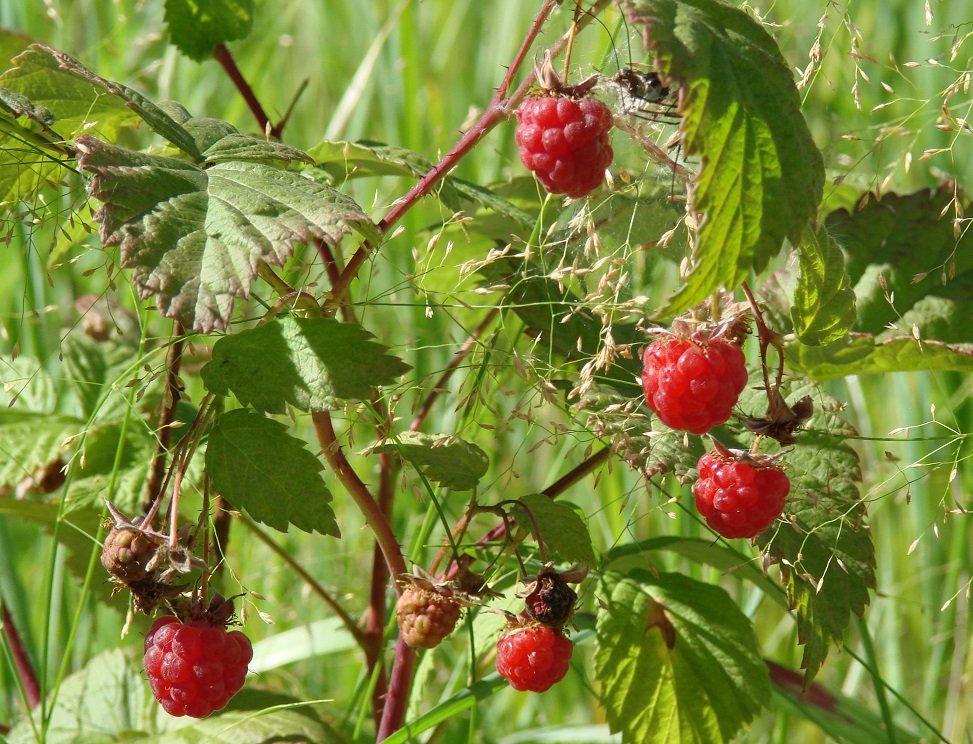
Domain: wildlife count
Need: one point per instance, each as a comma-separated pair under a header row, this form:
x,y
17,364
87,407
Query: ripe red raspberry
x,y
692,386
565,142
534,657
426,615
736,498
195,668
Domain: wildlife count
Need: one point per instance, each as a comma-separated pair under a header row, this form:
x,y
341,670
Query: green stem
x,y
872,666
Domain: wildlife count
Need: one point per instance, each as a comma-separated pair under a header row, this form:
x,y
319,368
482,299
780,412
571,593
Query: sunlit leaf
x,y
448,461
257,466
761,176
195,237
677,660
309,363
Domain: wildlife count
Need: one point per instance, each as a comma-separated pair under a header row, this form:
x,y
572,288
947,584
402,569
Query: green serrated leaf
x,y
864,354
309,363
219,141
257,466
677,660
447,460
195,237
95,369
26,385
31,443
824,303
560,527
81,101
824,548
762,176
77,101
901,251
197,26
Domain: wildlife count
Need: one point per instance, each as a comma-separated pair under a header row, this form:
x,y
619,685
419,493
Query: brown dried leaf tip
x,y
781,420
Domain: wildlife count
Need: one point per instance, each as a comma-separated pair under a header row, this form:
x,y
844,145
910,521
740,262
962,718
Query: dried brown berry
x,y
126,554
547,597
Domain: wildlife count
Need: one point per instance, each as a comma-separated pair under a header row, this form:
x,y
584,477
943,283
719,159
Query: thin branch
x,y
357,489
350,625
398,698
223,56
451,368
170,398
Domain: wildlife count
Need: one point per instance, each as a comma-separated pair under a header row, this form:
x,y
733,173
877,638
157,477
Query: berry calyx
x,y
739,496
533,657
426,614
564,142
693,384
194,668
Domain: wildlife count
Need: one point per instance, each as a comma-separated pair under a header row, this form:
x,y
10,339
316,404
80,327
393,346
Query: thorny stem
x,y
25,669
316,587
498,110
357,489
767,337
451,368
375,616
398,694
223,56
169,400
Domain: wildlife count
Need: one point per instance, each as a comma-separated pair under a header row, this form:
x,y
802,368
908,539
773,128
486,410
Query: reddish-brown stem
x,y
497,110
398,695
451,368
374,619
357,489
767,337
169,400
223,56
333,271
25,669
552,492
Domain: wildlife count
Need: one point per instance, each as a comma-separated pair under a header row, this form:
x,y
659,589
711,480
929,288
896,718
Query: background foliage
x,y
411,75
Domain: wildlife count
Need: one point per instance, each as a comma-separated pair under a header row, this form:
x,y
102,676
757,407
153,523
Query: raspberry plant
x,y
277,364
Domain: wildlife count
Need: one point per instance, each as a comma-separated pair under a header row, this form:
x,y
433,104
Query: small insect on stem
x,y
643,95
